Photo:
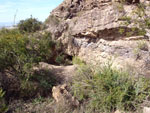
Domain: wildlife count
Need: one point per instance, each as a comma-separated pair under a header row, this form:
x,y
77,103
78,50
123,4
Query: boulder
x,y
60,94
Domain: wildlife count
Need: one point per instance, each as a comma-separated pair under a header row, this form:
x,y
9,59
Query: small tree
x,y
29,25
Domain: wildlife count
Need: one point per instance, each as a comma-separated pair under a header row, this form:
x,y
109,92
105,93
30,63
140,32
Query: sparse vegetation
x,y
121,31
141,22
142,45
77,60
108,89
52,19
119,6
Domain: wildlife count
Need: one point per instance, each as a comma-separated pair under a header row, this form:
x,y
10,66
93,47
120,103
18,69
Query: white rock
x,y
146,110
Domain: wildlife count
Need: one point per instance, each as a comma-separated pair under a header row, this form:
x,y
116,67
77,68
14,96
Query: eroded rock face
x,y
90,29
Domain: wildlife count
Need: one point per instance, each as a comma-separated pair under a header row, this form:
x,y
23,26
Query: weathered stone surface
x,y
146,110
60,94
63,74
91,31
119,111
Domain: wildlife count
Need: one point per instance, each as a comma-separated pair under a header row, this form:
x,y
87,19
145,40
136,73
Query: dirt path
x,y
63,73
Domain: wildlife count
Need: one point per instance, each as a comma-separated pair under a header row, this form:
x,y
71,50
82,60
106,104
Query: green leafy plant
x,y
126,18
3,107
38,100
20,53
121,31
108,89
60,59
77,60
29,25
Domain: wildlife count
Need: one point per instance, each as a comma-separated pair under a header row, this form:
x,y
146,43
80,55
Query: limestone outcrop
x,y
100,30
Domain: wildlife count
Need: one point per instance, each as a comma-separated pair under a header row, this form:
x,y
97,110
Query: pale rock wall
x,y
90,29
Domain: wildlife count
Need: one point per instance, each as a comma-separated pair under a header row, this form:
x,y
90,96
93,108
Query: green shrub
x,y
107,89
18,49
12,46
60,59
3,107
78,61
29,25
126,18
45,79
121,31
19,53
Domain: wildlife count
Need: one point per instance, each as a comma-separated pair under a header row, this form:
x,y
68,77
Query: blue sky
x,y
37,8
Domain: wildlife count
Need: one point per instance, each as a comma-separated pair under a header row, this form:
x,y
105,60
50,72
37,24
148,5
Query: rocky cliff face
x,y
100,30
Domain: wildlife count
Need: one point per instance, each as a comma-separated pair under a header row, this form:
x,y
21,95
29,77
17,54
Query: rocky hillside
x,y
81,60
104,30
